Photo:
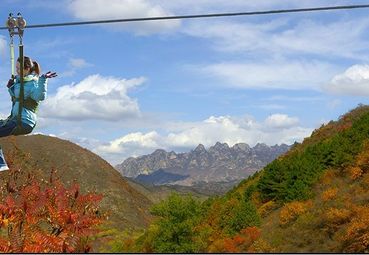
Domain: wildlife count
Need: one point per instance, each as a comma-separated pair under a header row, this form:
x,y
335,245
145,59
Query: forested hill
x,y
315,198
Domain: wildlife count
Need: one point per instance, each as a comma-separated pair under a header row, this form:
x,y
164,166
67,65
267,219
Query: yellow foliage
x,y
216,246
329,194
255,198
357,235
328,176
360,221
266,208
262,246
292,211
362,159
366,179
355,172
337,216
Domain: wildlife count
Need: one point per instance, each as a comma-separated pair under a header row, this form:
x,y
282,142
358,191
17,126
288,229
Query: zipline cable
x,y
213,15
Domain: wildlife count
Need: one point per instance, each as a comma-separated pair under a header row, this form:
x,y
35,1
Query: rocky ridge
x,y
219,163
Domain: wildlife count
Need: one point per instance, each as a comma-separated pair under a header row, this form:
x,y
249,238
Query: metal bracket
x,y
16,25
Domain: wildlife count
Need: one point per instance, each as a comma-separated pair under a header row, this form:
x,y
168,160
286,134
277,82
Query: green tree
x,y
237,214
292,177
177,217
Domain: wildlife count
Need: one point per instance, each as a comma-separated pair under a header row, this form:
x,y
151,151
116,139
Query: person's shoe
x,y
3,164
4,168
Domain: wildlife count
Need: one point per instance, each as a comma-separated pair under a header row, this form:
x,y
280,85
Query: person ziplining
x,y
26,89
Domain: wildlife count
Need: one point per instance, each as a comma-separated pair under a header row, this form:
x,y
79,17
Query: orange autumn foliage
x,y
355,172
329,194
356,238
328,176
46,218
243,241
362,159
267,207
337,216
292,210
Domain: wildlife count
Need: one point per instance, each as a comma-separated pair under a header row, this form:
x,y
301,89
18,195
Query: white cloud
x,y
281,121
286,36
272,74
124,9
74,65
295,98
3,116
353,82
132,142
236,37
275,129
235,5
95,97
78,63
3,47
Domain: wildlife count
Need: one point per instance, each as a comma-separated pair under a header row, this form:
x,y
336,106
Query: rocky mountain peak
x,y
220,147
172,155
218,163
159,153
283,145
200,148
261,146
241,147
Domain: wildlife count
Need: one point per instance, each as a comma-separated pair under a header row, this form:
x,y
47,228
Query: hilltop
x,y
128,208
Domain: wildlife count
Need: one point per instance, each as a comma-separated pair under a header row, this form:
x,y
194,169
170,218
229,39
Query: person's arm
x,y
39,92
10,83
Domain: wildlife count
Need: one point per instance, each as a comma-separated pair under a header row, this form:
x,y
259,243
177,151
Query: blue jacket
x,y
34,87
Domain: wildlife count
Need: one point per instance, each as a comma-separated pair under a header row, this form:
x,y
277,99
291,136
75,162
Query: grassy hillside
x,y
201,191
128,208
315,198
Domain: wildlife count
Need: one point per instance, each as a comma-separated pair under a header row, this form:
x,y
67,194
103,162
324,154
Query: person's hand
x,y
50,74
10,83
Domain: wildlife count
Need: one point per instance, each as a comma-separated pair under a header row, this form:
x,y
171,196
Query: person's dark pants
x,y
7,128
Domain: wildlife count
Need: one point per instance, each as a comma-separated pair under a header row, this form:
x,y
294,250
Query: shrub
x,y
46,217
355,172
292,210
243,241
329,194
267,207
337,216
237,215
356,238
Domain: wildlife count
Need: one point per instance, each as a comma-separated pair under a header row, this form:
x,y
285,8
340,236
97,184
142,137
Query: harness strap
x,y
28,103
12,55
20,24
21,92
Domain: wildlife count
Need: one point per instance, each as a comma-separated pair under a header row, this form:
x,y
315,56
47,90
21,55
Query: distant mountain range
x,y
220,163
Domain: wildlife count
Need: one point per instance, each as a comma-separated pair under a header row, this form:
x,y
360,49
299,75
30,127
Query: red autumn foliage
x,y
243,241
47,217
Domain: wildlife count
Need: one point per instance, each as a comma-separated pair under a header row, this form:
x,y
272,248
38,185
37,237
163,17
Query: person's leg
x,y
3,164
5,130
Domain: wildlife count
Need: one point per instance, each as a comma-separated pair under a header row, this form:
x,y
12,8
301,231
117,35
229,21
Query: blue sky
x,y
128,89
